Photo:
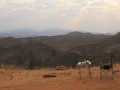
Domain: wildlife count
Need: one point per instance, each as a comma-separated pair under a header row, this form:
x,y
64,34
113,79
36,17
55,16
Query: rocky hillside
x,y
53,51
21,53
100,51
70,40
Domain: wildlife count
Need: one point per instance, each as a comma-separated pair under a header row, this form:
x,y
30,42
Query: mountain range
x,y
52,51
29,32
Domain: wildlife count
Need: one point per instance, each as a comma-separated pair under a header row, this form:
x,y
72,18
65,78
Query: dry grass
x,y
43,79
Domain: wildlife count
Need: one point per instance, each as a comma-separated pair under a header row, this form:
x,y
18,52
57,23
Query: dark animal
x,y
106,66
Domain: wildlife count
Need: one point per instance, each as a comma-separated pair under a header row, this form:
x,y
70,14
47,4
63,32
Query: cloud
x,y
2,3
22,7
94,15
63,4
102,4
69,4
22,1
72,14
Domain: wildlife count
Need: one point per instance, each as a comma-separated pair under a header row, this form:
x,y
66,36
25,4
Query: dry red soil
x,y
11,79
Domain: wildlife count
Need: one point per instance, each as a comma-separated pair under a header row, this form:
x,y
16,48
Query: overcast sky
x,y
83,15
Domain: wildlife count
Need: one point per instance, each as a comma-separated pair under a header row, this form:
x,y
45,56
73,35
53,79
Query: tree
x,y
32,63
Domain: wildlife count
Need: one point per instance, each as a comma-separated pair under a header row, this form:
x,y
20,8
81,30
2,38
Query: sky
x,y
101,16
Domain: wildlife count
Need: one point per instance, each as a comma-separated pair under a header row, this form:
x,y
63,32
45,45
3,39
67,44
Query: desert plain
x,y
19,79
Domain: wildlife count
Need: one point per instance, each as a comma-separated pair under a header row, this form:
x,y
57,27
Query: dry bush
x,y
49,75
61,68
65,74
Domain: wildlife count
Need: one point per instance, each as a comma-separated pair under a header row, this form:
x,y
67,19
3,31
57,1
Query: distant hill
x,y
70,40
29,32
100,51
79,33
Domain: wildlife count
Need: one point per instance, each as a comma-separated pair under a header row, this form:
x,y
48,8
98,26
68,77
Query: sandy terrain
x,y
11,79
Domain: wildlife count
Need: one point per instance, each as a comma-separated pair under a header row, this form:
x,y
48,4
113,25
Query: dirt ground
x,y
12,79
